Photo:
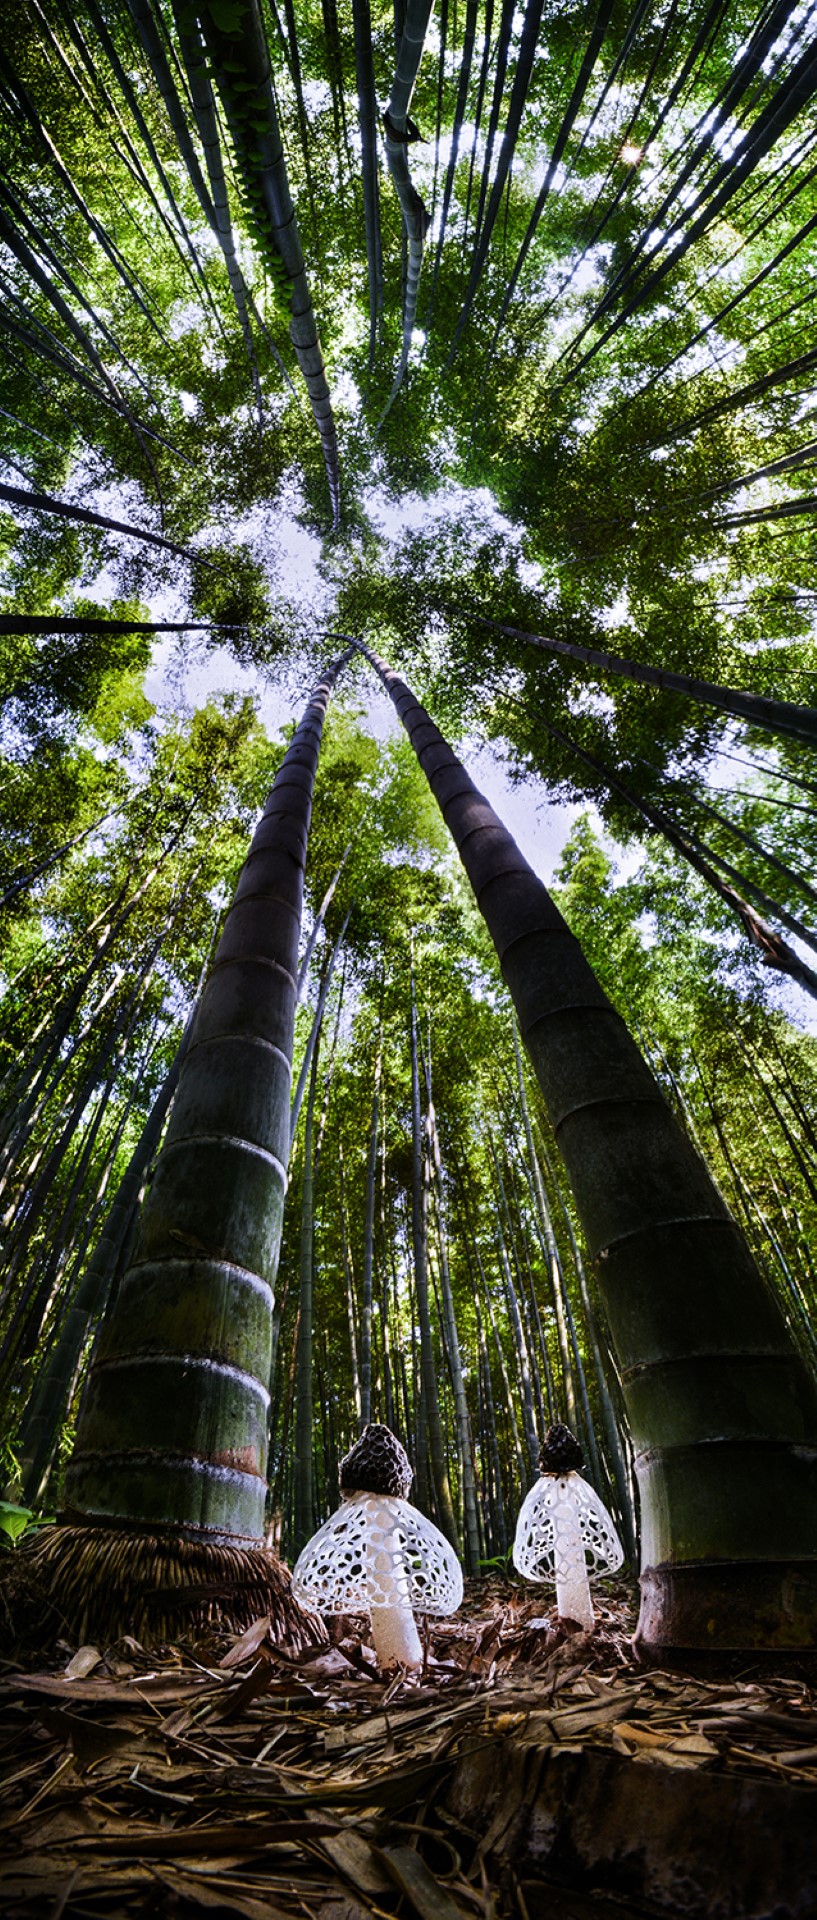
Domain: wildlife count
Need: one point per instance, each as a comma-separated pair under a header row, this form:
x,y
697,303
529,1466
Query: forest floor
x,y
524,1775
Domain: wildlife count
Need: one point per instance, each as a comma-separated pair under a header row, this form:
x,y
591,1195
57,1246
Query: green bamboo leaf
x,y
227,15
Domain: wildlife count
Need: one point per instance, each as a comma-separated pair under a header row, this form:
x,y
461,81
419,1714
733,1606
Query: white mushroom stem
x,y
394,1631
573,1600
395,1636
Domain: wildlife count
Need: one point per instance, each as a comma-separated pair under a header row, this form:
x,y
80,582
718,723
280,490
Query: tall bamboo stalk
x,y
304,1518
465,1444
721,1404
173,1434
429,1419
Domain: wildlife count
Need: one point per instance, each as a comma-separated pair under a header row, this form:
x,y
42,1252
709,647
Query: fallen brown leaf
x,y
248,1644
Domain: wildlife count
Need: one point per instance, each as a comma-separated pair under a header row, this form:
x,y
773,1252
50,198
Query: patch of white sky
x,y
617,613
184,317
317,95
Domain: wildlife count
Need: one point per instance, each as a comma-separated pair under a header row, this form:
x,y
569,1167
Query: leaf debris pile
x,y
234,1778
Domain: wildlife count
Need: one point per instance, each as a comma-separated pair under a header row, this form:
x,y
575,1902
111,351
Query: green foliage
x,y
13,1521
612,452
237,595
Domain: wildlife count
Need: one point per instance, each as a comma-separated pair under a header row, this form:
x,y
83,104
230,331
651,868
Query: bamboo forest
x,y
408,1039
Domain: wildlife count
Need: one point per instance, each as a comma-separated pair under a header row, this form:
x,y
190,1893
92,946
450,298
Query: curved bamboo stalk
x,y
367,117
37,1200
151,43
19,92
48,1265
130,95
18,221
28,261
466,63
23,1092
39,339
47,1404
593,49
399,133
781,717
253,122
675,240
319,921
774,950
722,1407
21,882
106,117
173,1432
707,33
486,220
773,378
204,108
749,840
46,503
697,143
740,397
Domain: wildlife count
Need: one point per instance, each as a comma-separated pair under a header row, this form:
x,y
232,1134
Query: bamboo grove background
x,y
573,322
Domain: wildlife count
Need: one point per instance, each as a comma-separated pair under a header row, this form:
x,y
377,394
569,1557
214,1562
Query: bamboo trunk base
x,y
94,1584
728,1606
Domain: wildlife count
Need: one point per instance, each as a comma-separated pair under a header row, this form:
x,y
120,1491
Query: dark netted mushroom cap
x,y
377,1463
560,1451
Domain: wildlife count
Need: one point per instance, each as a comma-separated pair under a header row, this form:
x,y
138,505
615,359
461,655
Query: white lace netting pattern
x,y
377,1551
545,1534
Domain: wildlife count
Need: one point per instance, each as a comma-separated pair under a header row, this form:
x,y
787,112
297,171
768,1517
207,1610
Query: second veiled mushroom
x,y
560,1524
378,1554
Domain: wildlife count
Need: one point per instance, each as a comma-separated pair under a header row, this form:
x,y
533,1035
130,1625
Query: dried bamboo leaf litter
x,y
233,1777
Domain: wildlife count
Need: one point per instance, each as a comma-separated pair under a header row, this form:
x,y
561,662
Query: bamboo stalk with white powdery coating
x,y
722,1407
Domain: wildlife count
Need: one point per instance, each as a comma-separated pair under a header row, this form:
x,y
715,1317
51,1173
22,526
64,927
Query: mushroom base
x,y
395,1636
573,1600
728,1605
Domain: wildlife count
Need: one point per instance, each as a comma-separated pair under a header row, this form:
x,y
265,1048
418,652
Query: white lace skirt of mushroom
x,y
562,1524
378,1554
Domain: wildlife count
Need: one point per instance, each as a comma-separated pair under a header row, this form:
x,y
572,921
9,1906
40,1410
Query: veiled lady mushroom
x,y
561,1522
378,1554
